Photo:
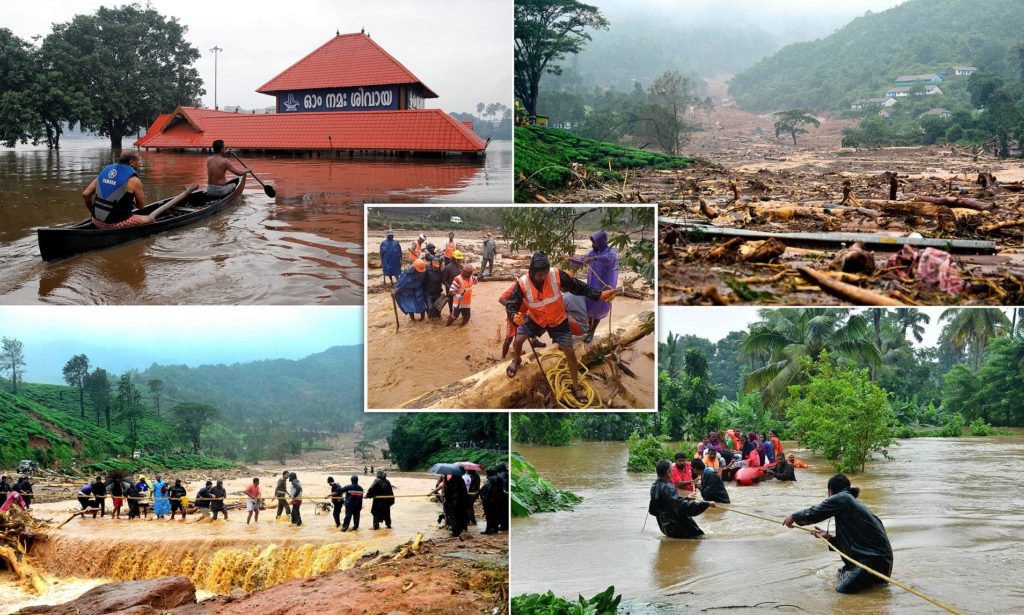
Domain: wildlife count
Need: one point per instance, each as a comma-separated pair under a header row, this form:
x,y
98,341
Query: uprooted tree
x,y
554,230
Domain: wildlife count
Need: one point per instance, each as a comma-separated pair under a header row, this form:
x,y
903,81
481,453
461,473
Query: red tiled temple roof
x,y
347,60
423,130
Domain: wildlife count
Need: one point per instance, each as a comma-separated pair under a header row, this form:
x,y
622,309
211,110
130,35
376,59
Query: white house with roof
x,y
903,91
874,103
912,79
964,71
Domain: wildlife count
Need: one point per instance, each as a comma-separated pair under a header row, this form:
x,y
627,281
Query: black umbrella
x,y
447,468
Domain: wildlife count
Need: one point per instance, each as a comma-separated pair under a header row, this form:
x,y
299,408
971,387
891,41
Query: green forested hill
x,y
864,57
323,391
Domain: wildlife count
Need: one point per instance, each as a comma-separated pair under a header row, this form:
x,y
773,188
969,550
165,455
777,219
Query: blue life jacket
x,y
113,203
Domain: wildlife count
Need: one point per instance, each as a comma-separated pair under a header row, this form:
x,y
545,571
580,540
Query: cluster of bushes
x,y
605,603
646,451
160,462
533,494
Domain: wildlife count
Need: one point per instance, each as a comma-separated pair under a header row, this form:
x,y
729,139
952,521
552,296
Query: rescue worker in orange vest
x,y
541,291
417,248
462,295
449,248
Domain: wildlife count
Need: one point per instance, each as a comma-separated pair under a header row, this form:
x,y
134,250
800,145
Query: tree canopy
x,y
546,31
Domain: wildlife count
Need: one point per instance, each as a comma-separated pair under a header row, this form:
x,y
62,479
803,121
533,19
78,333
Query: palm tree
x,y
784,337
670,354
911,319
973,329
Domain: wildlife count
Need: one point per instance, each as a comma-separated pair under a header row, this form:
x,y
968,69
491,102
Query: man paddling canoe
x,y
217,167
115,197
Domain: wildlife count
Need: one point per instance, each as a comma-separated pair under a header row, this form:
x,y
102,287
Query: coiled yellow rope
x,y
560,379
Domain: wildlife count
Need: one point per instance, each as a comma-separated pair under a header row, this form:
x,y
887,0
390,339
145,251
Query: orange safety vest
x,y
414,251
464,286
547,309
449,249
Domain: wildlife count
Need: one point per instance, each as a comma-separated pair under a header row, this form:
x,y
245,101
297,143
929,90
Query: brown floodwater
x,y
953,508
302,247
219,557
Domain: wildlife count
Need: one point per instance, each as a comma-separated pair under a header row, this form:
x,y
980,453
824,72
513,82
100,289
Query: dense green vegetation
x,y
481,456
843,382
865,57
645,452
416,437
318,392
48,85
605,603
548,159
531,493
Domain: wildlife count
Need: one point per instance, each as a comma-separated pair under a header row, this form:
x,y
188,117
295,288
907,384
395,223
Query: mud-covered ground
x,y
753,181
423,356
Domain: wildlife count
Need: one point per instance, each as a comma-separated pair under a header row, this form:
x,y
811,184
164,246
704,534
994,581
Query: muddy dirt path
x,y
424,356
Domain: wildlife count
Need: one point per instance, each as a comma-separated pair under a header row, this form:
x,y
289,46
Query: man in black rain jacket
x,y
712,489
859,534
672,510
382,494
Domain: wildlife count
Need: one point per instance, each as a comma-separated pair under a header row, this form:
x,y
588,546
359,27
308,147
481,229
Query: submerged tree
x,y
545,32
12,360
841,414
792,123
130,61
75,371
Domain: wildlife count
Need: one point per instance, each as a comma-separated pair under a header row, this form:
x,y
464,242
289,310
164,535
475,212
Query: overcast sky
x,y
123,337
461,49
716,323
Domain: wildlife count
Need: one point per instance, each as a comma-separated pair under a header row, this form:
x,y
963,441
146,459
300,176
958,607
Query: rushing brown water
x,y
953,508
222,556
304,246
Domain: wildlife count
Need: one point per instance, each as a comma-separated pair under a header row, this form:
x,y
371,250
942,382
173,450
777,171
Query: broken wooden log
x,y
956,201
492,388
847,292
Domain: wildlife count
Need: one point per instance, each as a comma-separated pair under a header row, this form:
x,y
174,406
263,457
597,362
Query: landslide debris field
x,y
892,200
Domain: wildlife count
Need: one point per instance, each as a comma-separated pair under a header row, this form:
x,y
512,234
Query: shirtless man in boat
x,y
217,167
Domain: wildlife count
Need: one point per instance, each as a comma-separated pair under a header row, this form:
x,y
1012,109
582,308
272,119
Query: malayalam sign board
x,y
373,98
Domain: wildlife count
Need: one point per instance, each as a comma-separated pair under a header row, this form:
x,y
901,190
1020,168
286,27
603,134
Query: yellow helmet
x,y
457,255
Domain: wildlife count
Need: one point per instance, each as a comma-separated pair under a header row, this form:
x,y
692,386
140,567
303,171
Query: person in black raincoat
x,y
492,496
712,489
674,512
474,493
859,534
337,500
783,470
456,499
131,494
99,492
381,507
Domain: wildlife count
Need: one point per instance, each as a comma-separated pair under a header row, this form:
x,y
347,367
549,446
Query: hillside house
x,y
874,103
937,112
903,91
912,79
964,71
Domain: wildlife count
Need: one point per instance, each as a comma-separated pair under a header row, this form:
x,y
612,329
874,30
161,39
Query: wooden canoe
x,y
64,241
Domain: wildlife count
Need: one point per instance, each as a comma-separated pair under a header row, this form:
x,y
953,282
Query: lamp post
x,y
215,51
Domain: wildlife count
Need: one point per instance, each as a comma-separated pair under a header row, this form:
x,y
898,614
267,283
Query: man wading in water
x,y
674,512
859,534
217,167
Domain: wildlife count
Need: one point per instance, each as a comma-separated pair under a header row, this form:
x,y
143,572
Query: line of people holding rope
x,y
859,533
459,491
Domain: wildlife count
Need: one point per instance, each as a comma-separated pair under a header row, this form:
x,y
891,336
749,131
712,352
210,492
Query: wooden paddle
x,y
175,201
394,304
269,190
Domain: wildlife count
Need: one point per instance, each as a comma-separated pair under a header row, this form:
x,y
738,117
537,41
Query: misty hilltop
x,y
866,56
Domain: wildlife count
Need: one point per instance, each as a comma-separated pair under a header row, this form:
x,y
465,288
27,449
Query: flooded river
x,y
953,508
218,557
303,247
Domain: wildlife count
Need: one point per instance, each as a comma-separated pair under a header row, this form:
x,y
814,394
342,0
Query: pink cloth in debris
x,y
936,268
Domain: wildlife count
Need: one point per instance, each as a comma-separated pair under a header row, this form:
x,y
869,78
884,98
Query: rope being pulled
x,y
919,594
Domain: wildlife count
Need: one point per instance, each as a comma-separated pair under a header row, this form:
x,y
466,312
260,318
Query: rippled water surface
x,y
953,508
304,246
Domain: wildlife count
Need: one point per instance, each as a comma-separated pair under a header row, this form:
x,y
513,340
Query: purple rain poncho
x,y
603,268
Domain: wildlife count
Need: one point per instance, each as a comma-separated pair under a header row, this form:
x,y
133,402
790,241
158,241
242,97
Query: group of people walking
x,y
459,494
18,493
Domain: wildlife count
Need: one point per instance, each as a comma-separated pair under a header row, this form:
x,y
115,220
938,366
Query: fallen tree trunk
x,y
846,292
493,389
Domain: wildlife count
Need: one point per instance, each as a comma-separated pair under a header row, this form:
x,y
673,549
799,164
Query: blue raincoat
x,y
409,291
161,505
391,257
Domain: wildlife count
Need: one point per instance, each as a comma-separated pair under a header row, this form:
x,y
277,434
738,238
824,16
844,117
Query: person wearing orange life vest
x,y
417,248
449,248
461,291
541,291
